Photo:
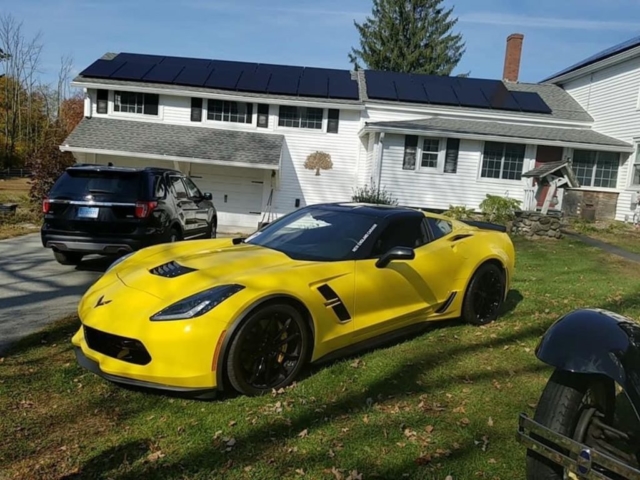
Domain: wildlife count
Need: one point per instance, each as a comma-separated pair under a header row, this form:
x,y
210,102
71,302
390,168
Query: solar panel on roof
x,y
163,73
380,85
186,62
193,76
531,102
314,83
410,90
231,65
342,86
471,96
440,93
139,57
224,78
283,84
101,68
253,82
132,70
502,100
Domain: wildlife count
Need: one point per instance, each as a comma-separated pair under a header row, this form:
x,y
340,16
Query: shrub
x,y
372,194
459,212
498,209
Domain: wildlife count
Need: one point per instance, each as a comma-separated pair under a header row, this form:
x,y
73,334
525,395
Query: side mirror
x,y
207,196
396,253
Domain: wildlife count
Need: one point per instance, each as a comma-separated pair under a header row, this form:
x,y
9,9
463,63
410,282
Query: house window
x,y
430,153
234,112
503,161
263,115
333,120
135,102
596,169
300,117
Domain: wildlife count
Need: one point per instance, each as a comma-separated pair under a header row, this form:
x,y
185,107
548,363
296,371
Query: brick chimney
x,y
512,57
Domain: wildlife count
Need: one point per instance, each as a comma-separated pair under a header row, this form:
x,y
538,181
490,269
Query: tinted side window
x,y
179,190
404,232
194,192
439,228
159,187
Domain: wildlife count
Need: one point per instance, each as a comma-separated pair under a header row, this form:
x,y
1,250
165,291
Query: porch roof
x,y
559,136
175,142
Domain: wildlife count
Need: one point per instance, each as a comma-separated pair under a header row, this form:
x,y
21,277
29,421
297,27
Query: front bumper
x,y
583,461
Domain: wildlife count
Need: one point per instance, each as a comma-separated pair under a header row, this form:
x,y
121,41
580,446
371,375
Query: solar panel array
x,y
451,91
227,75
604,54
314,82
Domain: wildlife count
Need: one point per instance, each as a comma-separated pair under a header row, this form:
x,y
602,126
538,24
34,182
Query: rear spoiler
x,y
486,225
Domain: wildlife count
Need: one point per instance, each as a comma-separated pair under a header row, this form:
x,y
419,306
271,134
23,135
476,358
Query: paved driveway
x,y
35,290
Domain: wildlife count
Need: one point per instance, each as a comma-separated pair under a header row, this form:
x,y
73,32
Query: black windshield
x,y
317,234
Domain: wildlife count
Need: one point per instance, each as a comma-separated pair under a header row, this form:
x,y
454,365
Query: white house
x,y
245,131
607,86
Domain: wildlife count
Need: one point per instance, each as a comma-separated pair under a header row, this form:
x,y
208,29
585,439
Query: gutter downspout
x,y
380,156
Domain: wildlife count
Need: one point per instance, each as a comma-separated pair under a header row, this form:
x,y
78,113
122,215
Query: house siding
x,y
611,97
440,191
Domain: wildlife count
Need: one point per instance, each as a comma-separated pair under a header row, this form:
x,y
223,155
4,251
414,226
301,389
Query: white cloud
x,y
489,18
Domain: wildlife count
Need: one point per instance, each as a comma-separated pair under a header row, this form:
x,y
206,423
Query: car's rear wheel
x,y
67,258
485,295
269,350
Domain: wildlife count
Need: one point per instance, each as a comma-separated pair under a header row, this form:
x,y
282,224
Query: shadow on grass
x,y
112,458
58,333
395,383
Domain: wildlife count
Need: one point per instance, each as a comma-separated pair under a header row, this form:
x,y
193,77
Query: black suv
x,y
102,209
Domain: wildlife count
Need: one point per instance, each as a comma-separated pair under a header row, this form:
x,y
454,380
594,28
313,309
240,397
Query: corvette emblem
x,y
101,302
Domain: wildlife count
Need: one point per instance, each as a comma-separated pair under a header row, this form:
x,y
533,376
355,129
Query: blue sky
x,y
316,33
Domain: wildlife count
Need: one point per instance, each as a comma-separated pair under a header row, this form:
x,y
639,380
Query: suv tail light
x,y
46,205
144,209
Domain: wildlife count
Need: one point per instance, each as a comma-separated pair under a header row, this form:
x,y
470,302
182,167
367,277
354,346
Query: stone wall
x,y
536,225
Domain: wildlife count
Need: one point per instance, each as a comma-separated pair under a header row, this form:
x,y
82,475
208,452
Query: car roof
x,y
369,209
113,168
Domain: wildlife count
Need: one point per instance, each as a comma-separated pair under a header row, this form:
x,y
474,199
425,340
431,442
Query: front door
x,y
546,154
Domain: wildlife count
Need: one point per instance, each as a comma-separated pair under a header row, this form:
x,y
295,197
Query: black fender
x,y
596,341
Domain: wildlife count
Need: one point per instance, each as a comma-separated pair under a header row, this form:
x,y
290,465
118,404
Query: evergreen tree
x,y
412,36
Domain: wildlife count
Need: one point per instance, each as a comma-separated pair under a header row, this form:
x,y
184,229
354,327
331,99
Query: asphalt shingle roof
x,y
589,138
177,140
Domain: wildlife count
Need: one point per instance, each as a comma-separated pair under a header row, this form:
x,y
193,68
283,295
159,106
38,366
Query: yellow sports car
x,y
249,313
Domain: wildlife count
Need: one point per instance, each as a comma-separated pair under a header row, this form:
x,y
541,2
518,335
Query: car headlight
x,y
118,261
198,304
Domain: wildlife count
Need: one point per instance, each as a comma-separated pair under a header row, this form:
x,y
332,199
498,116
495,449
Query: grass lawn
x,y
616,233
16,190
444,403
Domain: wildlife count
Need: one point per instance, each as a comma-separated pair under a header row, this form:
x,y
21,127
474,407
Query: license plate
x,y
88,212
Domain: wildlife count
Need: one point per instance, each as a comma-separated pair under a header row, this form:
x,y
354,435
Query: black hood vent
x,y
171,270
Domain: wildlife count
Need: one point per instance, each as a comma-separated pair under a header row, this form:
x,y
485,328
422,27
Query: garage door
x,y
237,192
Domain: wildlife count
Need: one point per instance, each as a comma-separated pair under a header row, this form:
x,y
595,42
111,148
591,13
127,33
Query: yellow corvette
x,y
315,284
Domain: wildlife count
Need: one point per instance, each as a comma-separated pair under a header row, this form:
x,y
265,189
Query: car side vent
x,y
171,270
335,302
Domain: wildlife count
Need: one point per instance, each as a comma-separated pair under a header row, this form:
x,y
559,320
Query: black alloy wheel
x,y
485,295
269,350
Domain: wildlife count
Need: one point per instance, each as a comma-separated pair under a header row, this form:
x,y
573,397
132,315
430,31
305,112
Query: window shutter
x,y
410,152
451,156
333,121
196,109
263,115
151,101
249,117
103,102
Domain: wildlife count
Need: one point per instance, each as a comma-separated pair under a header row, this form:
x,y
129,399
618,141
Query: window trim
x,y
229,124
501,180
418,168
322,129
593,173
147,117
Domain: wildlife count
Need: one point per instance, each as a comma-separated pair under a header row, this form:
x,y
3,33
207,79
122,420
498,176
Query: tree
x,y
411,36
318,161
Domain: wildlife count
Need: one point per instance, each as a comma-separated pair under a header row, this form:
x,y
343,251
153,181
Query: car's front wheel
x,y
269,349
67,258
485,295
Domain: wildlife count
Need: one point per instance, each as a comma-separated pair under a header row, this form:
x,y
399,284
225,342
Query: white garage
x,y
235,167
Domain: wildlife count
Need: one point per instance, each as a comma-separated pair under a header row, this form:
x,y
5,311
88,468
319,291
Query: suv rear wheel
x,y
68,258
